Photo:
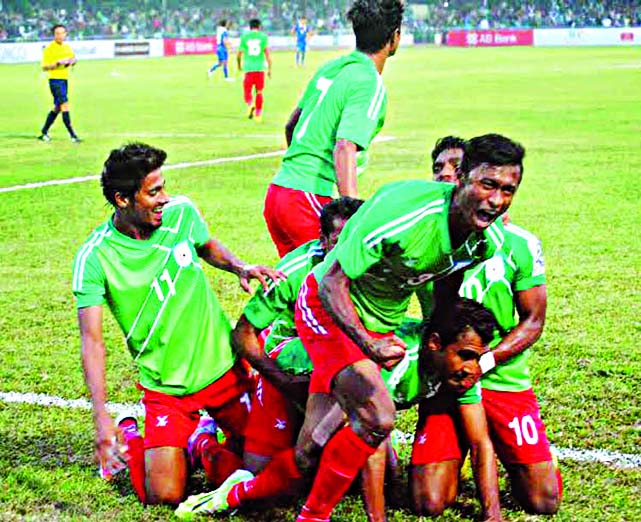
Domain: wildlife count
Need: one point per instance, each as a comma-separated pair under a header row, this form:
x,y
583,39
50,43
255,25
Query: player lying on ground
x,y
511,284
145,264
341,111
446,366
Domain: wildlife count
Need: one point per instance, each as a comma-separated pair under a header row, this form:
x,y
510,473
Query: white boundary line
x,y
614,459
175,166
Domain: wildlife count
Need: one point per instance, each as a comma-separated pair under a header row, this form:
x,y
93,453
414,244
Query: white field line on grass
x,y
175,166
614,459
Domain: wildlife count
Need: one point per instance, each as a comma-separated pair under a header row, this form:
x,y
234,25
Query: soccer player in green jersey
x,y
253,46
446,369
145,264
342,109
512,285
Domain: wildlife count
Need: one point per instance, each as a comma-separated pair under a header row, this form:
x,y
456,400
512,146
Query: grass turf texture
x,y
578,115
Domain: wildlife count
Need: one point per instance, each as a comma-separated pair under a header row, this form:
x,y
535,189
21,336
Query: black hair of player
x,y
127,167
344,207
375,22
254,23
447,143
223,23
492,149
451,319
53,29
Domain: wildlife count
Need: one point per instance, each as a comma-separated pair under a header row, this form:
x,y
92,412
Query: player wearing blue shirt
x,y
302,32
222,50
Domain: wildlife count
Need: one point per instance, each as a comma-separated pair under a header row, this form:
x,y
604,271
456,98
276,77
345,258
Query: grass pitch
x,y
578,114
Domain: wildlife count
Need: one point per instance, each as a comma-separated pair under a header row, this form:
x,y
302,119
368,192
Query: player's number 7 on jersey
x,y
323,85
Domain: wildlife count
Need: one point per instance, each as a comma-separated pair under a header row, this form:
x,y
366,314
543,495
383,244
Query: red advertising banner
x,y
490,37
180,46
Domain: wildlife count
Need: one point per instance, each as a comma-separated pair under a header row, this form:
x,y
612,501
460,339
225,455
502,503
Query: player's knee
x,y
166,495
541,503
374,422
429,505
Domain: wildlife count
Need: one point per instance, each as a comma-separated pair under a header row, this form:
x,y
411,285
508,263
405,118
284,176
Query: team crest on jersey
x,y
494,269
183,255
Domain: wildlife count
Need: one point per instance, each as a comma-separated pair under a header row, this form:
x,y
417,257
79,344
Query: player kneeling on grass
x,y
446,367
145,264
512,285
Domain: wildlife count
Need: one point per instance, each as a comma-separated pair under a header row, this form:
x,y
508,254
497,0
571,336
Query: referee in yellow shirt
x,y
57,57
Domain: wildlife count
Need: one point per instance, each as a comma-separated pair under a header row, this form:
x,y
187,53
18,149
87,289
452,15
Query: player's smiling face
x,y
485,194
149,201
446,164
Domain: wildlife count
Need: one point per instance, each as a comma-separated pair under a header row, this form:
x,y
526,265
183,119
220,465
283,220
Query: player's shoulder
x,y
417,190
301,257
94,242
176,206
519,234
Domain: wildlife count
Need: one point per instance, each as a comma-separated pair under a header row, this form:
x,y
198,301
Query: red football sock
x,y
259,103
342,459
218,461
559,481
136,452
279,476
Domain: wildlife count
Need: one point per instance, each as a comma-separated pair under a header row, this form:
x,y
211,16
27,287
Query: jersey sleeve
x,y
471,396
89,282
47,56
264,307
530,266
361,114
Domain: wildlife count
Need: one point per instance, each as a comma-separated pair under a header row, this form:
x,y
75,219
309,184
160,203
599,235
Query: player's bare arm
x,y
219,256
531,305
93,362
268,59
291,124
239,60
345,166
245,342
334,294
483,459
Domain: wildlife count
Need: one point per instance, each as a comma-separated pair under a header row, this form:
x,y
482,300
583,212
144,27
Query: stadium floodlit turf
x,y
578,114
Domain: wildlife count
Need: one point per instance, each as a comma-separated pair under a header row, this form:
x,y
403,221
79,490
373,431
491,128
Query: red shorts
x,y
438,435
292,217
274,422
516,428
170,419
329,348
254,79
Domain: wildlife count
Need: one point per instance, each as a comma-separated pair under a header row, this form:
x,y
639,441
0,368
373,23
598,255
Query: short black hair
x,y
126,167
492,149
254,23
451,319
446,143
375,22
53,29
344,207
223,23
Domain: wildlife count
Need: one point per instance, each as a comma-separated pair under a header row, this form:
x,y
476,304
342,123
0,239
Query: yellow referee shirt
x,y
53,53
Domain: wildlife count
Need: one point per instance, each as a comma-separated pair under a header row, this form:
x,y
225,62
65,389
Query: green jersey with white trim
x,y
253,44
516,267
175,328
397,241
346,99
407,383
275,305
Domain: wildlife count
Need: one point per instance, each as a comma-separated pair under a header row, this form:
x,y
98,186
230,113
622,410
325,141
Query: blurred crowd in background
x,y
25,20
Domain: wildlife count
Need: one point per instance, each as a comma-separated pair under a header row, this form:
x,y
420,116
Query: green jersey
x,y
253,45
174,326
516,267
407,383
346,99
397,241
275,305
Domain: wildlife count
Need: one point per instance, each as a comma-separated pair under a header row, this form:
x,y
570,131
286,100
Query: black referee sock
x,y
51,117
67,120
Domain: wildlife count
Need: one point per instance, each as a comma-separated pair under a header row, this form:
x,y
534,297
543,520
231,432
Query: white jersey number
x,y
253,47
323,85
